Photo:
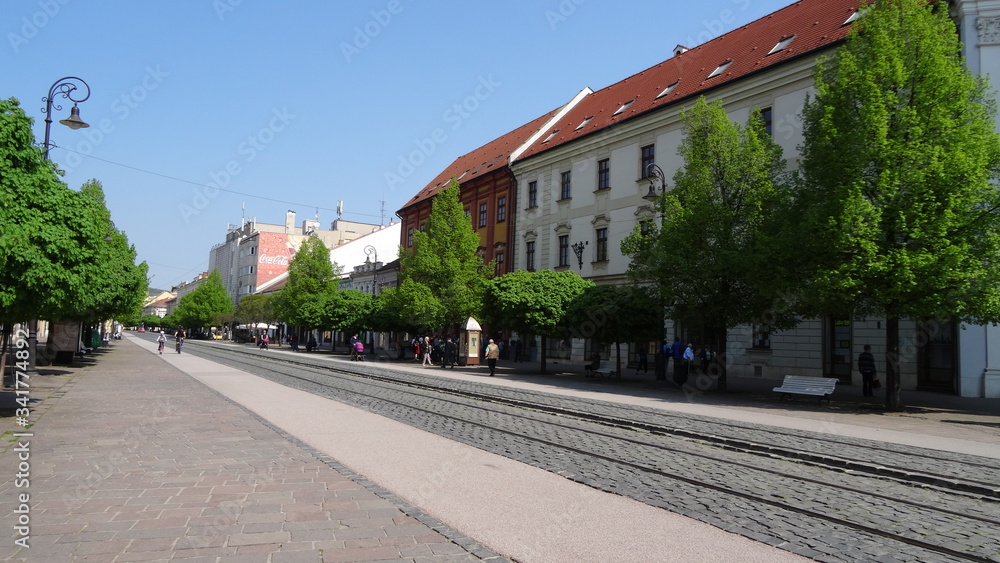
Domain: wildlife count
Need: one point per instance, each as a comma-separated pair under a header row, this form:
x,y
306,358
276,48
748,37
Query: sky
x,y
203,113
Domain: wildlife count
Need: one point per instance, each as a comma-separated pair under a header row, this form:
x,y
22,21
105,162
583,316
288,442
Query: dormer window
x,y
854,16
781,45
623,108
668,89
584,123
721,68
551,136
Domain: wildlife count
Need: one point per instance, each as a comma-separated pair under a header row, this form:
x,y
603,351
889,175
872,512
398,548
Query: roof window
x,y
668,89
781,45
721,68
584,123
623,108
857,14
551,135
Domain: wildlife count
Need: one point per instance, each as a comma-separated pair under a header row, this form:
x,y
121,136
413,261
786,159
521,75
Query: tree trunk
x,y
720,361
4,330
618,359
893,400
542,352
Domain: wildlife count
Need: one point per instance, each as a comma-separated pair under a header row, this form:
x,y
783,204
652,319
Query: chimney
x,y
289,222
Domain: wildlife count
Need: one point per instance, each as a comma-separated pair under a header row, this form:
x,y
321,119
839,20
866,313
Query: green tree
x,y
312,279
897,212
410,307
201,307
347,310
445,261
533,303
254,309
615,313
712,262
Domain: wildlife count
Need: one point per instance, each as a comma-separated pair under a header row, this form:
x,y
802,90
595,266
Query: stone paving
x,y
126,464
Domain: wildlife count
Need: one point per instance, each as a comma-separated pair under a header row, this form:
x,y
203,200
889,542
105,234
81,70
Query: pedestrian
x,y
677,353
428,360
660,359
293,340
687,358
643,359
492,355
517,350
866,365
450,353
311,344
263,341
706,358
416,349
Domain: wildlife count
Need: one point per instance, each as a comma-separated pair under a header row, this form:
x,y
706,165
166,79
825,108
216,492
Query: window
x,y
647,159
623,108
532,194
564,250
468,214
584,123
601,252
761,337
767,115
253,250
721,68
529,255
603,174
501,209
482,214
668,89
499,263
781,45
564,192
423,227
409,237
551,136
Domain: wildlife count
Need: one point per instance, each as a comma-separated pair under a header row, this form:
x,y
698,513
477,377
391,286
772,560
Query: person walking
x,y
688,359
866,365
492,355
677,353
706,358
643,360
428,361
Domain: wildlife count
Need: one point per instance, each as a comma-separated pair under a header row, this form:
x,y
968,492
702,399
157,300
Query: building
x,y
487,190
580,179
255,254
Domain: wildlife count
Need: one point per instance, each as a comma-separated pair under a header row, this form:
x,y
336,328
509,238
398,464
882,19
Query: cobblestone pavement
x,y
463,421
144,464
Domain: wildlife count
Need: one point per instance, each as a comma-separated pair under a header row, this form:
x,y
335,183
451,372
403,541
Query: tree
x,y
347,310
201,307
711,264
615,313
409,307
533,302
312,278
254,309
897,212
445,260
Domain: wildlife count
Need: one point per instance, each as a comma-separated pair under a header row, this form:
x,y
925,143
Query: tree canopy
x,y
615,313
445,261
201,307
896,205
712,261
312,281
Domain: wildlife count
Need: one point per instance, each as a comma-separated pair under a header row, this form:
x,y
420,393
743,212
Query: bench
x,y
602,371
821,387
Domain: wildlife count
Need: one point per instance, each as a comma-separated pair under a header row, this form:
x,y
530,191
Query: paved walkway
x,y
144,464
130,459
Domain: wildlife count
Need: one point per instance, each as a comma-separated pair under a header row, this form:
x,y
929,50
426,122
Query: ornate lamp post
x,y
372,254
654,172
66,87
578,250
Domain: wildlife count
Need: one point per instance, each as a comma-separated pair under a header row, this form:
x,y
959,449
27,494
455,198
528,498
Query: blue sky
x,y
301,104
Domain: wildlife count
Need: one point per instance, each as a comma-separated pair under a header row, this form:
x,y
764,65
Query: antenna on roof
x,y
243,212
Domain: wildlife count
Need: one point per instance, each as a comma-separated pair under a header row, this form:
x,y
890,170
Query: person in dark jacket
x,y
866,365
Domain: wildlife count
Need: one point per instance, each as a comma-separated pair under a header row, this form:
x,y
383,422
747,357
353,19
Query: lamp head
x,y
74,121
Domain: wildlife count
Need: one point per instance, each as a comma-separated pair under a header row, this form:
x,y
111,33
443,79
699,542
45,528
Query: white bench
x,y
604,372
821,387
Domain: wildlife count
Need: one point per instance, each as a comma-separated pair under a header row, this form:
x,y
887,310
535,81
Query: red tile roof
x,y
816,25
483,160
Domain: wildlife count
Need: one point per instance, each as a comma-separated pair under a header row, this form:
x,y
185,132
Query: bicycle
x,y
160,347
178,344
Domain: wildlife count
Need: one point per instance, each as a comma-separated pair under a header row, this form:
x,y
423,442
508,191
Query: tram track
x,y
683,463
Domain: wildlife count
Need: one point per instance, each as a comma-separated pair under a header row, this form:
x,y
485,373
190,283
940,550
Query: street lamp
x,y
65,87
372,254
654,172
578,250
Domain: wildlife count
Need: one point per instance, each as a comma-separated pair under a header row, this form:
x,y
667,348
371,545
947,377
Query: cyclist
x,y
161,339
179,337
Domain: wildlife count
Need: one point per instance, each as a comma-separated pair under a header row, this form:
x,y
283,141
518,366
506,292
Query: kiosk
x,y
469,343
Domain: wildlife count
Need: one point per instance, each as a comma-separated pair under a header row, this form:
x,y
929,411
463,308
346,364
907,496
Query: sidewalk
x,y
130,459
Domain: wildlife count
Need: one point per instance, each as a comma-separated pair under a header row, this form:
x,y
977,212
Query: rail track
x,y
828,497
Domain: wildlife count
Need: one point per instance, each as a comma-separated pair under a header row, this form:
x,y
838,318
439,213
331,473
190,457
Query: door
x,y
837,353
